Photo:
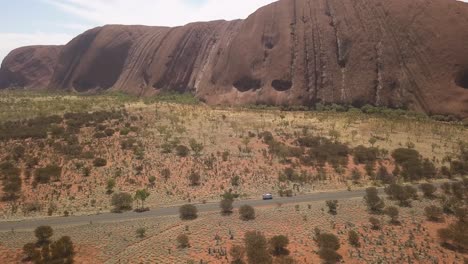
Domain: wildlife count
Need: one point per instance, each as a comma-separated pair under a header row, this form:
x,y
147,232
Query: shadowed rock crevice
x,y
105,70
269,42
462,79
245,84
281,85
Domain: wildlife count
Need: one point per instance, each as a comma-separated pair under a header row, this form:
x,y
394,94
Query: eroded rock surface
x,y
393,53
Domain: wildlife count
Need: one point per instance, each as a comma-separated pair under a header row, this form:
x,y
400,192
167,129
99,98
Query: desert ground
x,y
78,151
414,240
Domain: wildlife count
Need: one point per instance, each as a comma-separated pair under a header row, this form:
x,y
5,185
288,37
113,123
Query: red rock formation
x,y
394,53
29,67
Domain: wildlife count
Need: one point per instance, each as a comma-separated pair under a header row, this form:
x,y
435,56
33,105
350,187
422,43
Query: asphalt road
x,y
31,224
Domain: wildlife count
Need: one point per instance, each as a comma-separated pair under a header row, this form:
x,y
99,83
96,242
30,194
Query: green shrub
x,y
235,181
226,206
329,255
121,202
141,232
247,212
374,203
413,167
375,223
328,240
353,238
256,248
279,244
124,131
428,190
433,213
364,155
237,253
48,174
322,150
197,148
393,213
43,234
99,162
188,212
456,233
194,178
182,151
332,206
183,241
109,132
99,135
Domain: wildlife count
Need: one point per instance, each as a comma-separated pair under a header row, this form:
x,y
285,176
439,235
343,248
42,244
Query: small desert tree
x,y
256,248
183,241
428,190
43,234
332,206
100,162
247,212
194,178
237,253
393,213
62,250
141,232
188,212
433,213
226,206
456,233
142,195
353,238
182,151
375,223
47,251
110,186
197,148
329,244
373,201
356,175
279,244
166,174
152,181
121,202
328,240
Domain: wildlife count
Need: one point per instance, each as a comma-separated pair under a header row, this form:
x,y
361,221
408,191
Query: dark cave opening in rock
x,y
281,85
462,79
245,84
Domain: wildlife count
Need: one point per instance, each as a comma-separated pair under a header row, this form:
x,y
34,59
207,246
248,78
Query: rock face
x,y
393,53
29,67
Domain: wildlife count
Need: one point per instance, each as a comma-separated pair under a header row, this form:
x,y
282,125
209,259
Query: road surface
x,y
31,224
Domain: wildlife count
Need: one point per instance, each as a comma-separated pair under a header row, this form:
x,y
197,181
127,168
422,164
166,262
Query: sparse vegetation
x,y
47,251
241,153
183,241
188,212
329,244
428,190
433,213
279,244
226,206
141,232
247,212
353,238
121,202
373,201
393,213
332,206
256,248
